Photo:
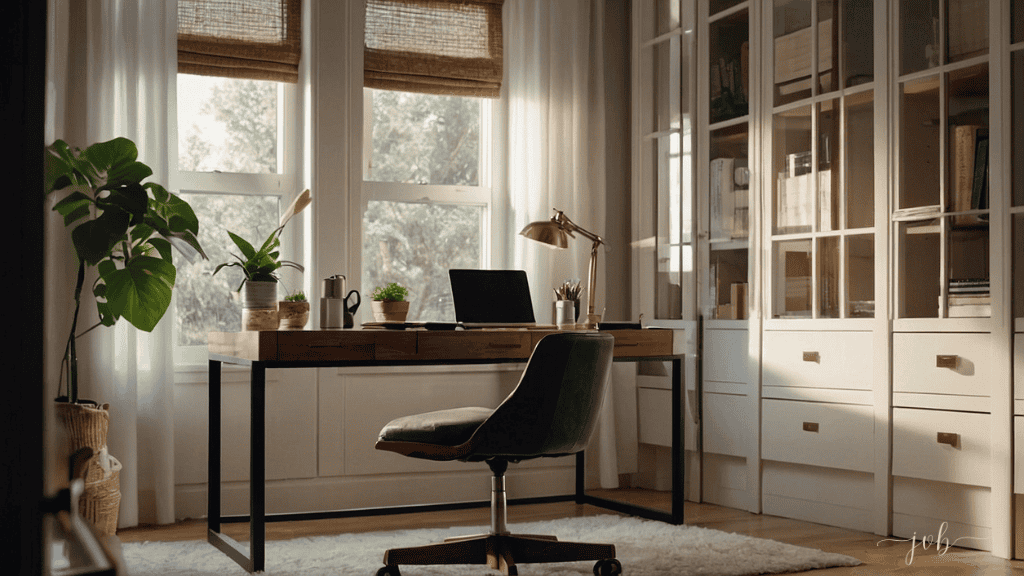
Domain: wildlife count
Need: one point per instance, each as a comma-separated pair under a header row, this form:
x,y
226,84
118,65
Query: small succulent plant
x,y
299,296
389,293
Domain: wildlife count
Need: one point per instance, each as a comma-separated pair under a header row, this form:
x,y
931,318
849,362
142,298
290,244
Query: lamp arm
x,y
571,226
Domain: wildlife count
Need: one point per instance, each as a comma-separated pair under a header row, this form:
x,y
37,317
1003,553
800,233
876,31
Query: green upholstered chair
x,y
552,412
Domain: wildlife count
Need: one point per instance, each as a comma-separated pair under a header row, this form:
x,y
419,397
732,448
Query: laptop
x,y
492,298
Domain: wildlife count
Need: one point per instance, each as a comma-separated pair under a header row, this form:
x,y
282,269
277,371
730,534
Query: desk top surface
x,y
418,345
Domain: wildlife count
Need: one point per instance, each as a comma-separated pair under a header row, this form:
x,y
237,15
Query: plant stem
x,y
72,352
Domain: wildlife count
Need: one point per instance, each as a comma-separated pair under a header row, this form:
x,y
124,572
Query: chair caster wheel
x,y
389,570
610,567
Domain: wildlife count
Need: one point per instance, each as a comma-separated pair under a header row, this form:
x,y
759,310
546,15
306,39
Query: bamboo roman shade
x,y
254,39
449,47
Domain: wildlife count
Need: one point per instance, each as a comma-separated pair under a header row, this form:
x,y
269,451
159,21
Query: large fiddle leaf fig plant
x,y
122,227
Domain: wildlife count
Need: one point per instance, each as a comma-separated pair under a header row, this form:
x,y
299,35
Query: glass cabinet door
x,y
942,208
666,126
1017,150
727,218
823,146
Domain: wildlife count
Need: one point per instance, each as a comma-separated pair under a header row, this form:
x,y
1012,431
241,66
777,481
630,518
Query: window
x,y
231,167
427,189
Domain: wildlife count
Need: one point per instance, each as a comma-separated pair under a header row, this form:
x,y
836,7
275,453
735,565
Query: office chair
x,y
552,412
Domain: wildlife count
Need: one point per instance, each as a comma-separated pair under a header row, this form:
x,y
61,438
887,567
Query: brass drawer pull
x,y
946,361
812,357
950,438
499,346
810,426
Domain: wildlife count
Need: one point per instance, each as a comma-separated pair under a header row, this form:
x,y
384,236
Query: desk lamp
x,y
556,233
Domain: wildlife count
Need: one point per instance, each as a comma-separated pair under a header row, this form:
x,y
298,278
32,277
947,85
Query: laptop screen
x,y
491,297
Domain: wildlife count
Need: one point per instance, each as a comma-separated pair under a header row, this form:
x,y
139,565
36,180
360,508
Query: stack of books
x,y
969,298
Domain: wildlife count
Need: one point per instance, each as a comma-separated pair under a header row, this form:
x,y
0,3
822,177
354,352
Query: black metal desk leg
x,y
258,467
213,458
678,443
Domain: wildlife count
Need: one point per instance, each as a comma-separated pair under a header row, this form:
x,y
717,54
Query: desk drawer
x,y
643,342
940,363
498,345
941,445
839,360
327,346
819,434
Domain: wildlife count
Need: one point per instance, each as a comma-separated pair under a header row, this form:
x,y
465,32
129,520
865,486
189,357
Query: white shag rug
x,y
644,547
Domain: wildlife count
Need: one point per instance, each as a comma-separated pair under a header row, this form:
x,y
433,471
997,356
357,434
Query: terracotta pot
x,y
292,315
386,311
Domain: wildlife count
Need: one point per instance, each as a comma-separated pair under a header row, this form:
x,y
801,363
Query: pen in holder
x,y
567,304
565,314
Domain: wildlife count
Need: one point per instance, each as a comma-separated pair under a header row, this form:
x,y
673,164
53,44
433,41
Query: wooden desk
x,y
377,347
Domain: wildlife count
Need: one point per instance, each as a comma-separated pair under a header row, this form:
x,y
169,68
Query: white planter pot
x,y
259,306
259,295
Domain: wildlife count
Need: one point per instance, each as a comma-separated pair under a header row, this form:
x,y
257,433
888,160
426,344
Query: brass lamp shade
x,y
547,232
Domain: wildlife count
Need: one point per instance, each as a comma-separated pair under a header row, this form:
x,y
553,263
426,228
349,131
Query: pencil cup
x,y
565,314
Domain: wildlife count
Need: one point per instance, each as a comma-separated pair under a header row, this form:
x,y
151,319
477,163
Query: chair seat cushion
x,y
443,427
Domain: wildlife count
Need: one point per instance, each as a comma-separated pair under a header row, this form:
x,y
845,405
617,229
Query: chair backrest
x,y
553,410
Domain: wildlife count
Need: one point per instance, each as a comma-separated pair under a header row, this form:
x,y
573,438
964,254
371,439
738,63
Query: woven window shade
x,y
449,47
254,39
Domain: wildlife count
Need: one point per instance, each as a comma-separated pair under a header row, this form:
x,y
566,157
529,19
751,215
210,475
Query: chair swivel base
x,y
502,552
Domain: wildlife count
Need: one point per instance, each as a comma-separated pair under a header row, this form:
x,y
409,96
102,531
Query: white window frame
x,y
480,195
284,185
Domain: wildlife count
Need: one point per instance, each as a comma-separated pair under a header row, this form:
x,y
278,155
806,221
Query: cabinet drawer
x,y
941,445
818,434
727,425
818,359
726,355
959,364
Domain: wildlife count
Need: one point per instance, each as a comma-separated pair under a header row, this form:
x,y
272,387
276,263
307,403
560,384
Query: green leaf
x,y
127,172
174,210
273,241
94,239
225,264
62,167
141,291
73,207
112,162
247,250
163,247
130,198
107,318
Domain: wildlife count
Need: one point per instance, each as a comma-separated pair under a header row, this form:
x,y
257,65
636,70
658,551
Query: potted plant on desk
x,y
293,311
389,303
260,270
124,229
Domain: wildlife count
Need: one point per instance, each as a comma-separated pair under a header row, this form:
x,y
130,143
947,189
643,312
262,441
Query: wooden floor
x,y
879,557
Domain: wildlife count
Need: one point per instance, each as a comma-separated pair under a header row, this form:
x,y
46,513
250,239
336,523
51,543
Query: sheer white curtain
x,y
110,73
554,65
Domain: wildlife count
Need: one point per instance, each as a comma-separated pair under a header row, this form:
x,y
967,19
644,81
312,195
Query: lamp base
x,y
592,321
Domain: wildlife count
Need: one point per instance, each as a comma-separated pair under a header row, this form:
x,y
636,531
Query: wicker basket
x,y
86,424
101,501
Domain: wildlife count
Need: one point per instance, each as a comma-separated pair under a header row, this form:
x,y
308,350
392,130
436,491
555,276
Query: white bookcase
x,y
840,206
